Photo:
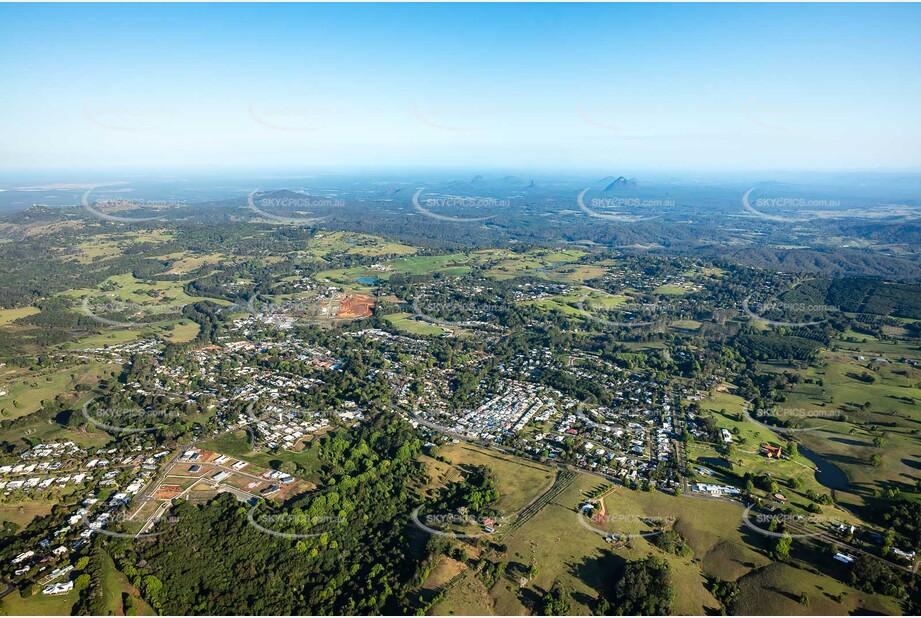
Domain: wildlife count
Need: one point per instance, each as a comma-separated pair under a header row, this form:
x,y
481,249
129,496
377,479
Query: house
x,y
845,558
772,452
59,588
220,476
23,556
779,497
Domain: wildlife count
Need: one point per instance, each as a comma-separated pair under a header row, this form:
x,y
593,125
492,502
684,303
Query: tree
x,y
556,602
644,588
782,548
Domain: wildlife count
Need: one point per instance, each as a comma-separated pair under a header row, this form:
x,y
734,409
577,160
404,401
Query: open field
x,y
405,321
565,550
116,589
24,396
10,315
38,604
520,481
236,445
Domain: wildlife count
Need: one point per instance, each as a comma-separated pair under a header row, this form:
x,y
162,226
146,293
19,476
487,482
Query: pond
x,y
827,473
367,280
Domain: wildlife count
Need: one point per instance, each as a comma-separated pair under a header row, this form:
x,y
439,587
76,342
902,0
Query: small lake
x,y
367,280
828,474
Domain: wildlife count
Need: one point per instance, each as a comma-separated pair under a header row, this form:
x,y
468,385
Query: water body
x,y
367,280
828,474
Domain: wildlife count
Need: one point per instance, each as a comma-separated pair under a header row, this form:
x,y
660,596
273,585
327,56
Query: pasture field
x,y
182,332
328,243
116,587
520,481
38,604
22,396
21,512
8,316
236,445
877,400
187,261
405,321
566,551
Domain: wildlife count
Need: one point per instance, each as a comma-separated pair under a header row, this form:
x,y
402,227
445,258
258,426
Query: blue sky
x,y
548,86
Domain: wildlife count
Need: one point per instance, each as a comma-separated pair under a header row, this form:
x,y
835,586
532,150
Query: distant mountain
x,y
621,183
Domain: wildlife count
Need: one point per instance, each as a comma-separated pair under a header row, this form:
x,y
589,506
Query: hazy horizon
x,y
654,87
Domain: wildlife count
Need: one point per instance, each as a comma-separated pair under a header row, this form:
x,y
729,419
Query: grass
x,y
236,445
893,413
38,604
115,587
405,322
520,481
25,395
182,332
22,512
10,315
778,587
